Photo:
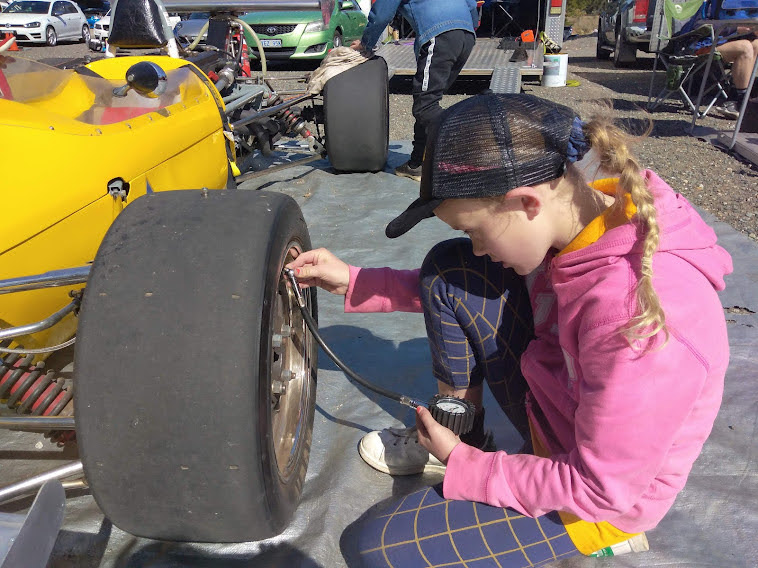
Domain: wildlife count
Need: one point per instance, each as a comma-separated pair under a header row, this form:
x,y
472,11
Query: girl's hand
x,y
321,268
357,45
433,436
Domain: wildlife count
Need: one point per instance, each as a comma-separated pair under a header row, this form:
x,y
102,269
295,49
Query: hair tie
x,y
578,145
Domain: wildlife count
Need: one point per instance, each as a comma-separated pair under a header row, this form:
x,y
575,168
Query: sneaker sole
x,y
409,176
395,470
728,114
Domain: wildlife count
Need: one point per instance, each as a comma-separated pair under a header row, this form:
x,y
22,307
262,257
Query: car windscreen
x,y
87,97
28,7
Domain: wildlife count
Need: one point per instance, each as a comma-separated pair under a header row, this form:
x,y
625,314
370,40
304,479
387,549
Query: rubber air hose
x,y
313,326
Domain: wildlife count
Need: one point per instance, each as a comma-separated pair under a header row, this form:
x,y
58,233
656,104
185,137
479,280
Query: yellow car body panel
x,y
63,150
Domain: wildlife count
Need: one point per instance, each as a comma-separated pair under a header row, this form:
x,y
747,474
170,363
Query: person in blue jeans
x,y
444,39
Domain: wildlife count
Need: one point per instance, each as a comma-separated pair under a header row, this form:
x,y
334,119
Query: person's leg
x,y
424,529
479,321
741,54
439,62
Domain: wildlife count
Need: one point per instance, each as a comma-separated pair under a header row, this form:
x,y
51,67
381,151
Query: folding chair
x,y
681,63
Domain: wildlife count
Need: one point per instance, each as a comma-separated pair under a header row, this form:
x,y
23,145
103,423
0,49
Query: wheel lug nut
x,y
287,376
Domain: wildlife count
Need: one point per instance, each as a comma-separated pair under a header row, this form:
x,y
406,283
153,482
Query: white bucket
x,y
554,70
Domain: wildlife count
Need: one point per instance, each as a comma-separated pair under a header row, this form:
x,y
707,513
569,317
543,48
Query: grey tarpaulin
x,y
713,523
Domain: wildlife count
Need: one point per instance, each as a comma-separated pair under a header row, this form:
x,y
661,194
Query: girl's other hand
x,y
433,436
321,268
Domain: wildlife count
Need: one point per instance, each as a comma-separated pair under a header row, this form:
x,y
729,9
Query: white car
x,y
40,21
102,28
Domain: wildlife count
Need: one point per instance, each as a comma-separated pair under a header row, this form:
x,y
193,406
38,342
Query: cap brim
x,y
417,211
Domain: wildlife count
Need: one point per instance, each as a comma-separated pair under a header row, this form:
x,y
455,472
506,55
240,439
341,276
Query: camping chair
x,y
681,63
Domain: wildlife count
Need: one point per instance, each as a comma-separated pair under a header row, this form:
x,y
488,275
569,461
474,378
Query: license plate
x,y
271,43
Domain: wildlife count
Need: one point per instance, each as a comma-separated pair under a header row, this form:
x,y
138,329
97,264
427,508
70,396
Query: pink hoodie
x,y
623,427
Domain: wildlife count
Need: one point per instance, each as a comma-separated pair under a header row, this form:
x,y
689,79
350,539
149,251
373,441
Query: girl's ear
x,y
527,200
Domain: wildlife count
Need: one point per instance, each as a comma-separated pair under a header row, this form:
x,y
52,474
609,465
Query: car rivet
x,y
52,128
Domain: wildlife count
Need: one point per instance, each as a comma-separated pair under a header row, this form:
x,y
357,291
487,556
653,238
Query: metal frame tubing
x,y
37,423
65,277
10,492
240,5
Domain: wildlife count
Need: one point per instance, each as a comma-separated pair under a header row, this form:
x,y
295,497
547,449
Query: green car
x,y
303,35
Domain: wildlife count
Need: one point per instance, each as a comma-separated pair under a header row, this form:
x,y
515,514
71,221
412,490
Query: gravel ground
x,y
722,184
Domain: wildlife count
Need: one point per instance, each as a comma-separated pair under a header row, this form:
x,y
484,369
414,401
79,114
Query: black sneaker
x,y
728,109
407,171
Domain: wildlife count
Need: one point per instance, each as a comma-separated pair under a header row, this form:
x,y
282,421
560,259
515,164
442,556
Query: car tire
x,y
51,38
86,35
182,346
356,117
337,40
624,54
601,52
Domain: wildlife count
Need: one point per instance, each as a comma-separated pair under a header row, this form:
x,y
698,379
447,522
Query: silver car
x,y
189,28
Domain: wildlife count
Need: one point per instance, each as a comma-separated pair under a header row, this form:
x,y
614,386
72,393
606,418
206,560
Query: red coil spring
x,y
295,123
27,389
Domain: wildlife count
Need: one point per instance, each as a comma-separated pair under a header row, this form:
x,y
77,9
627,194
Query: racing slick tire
x,y
196,374
356,117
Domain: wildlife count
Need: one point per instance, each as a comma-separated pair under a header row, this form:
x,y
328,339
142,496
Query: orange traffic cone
x,y
12,39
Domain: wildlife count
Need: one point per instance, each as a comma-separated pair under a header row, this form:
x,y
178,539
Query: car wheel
x,y
192,352
337,40
51,38
624,54
601,52
85,35
356,117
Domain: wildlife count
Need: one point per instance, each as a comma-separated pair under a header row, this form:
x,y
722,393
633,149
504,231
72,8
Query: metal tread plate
x,y
484,58
506,79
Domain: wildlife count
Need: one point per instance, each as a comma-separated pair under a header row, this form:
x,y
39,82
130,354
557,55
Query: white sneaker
x,y
396,451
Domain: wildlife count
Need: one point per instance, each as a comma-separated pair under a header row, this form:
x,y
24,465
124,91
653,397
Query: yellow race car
x,y
194,381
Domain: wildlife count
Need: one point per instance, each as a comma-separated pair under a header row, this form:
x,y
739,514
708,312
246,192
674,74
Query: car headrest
x,y
137,24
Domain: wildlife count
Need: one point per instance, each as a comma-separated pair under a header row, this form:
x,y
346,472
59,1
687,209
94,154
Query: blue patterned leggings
x,y
479,321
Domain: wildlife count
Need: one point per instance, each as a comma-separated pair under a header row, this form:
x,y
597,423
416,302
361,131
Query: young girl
x,y
590,310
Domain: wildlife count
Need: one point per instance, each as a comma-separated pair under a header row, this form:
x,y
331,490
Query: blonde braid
x,y
612,145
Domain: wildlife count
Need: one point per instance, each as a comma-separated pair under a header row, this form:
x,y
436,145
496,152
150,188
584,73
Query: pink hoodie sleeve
x,y
633,413
382,290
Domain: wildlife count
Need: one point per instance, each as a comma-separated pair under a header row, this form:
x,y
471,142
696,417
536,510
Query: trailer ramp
x,y
486,60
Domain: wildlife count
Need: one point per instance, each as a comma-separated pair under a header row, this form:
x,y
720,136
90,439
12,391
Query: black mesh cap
x,y
485,146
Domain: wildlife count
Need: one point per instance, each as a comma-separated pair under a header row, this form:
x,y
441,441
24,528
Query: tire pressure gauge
x,y
454,413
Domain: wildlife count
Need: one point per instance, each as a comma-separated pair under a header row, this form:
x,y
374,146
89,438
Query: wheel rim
x,y
85,34
293,348
337,41
51,36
